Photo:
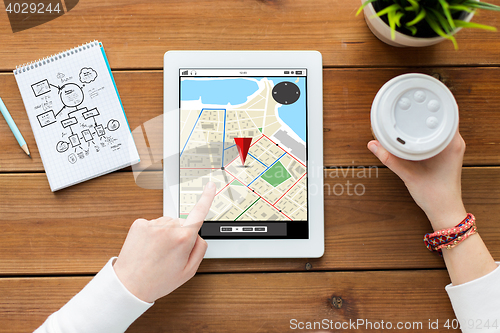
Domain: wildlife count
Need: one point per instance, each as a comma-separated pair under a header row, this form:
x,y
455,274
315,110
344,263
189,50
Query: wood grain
x,y
76,230
348,94
137,34
254,302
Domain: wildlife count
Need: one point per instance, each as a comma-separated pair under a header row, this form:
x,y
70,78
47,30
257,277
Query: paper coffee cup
x,y
414,116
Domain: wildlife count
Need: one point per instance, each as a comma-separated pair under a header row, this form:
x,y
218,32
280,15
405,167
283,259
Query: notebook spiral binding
x,y
55,57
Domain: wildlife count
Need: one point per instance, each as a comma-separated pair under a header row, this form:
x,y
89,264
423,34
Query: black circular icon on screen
x,y
286,93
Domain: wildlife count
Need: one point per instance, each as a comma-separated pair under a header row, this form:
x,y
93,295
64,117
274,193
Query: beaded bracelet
x,y
448,235
459,239
453,236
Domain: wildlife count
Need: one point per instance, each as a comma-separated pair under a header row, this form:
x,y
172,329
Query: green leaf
x,y
397,18
412,29
394,20
418,18
481,5
463,24
366,3
392,24
461,8
391,9
447,13
439,19
414,4
433,24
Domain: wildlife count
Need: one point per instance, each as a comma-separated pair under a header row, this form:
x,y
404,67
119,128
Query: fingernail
x,y
210,185
373,147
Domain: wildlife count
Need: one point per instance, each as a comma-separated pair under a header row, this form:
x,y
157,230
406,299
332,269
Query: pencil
x,y
13,128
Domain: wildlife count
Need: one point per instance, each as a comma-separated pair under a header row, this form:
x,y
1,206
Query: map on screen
x,y
265,180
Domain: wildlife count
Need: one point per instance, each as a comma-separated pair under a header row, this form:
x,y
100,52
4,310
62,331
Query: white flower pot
x,y
383,32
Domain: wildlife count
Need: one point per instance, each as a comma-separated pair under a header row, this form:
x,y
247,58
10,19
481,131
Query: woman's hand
x,y
434,184
160,255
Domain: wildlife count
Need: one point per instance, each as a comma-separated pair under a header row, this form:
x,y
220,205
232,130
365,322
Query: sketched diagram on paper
x,y
83,129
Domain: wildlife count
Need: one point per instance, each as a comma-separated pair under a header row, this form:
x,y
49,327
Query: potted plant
x,y
421,22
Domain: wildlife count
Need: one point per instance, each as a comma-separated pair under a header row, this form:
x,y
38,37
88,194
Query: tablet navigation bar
x,y
243,228
200,72
251,229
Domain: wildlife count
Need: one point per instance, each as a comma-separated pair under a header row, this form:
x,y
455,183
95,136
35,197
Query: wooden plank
x,y
136,34
256,302
78,229
348,94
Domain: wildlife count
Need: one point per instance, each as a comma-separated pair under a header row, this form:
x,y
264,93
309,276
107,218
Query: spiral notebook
x,y
76,115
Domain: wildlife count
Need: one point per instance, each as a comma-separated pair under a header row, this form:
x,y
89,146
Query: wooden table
x,y
375,265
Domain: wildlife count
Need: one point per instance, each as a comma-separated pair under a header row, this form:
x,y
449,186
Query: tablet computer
x,y
252,123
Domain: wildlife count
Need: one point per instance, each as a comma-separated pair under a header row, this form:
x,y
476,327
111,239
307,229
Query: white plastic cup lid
x,y
414,116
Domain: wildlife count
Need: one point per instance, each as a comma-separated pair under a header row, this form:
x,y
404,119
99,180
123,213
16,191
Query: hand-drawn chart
x,y
84,129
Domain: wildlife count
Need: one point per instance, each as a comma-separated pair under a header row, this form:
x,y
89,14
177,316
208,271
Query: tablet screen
x,y
245,130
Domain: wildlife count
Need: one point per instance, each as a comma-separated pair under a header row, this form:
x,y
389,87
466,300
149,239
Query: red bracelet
x,y
457,241
451,237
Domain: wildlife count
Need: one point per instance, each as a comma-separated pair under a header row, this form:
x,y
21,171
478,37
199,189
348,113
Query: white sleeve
x,y
477,303
103,306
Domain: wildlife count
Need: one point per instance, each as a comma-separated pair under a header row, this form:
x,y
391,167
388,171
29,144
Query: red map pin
x,y
243,144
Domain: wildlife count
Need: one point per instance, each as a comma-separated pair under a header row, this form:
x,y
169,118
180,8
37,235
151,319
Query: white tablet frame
x,y
251,248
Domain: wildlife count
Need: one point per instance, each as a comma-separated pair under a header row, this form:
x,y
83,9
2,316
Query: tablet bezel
x,y
313,247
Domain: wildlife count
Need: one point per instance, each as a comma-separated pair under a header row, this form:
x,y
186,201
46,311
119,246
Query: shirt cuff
x,y
104,305
476,303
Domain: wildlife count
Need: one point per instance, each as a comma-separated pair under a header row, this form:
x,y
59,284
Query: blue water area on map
x,y
220,92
